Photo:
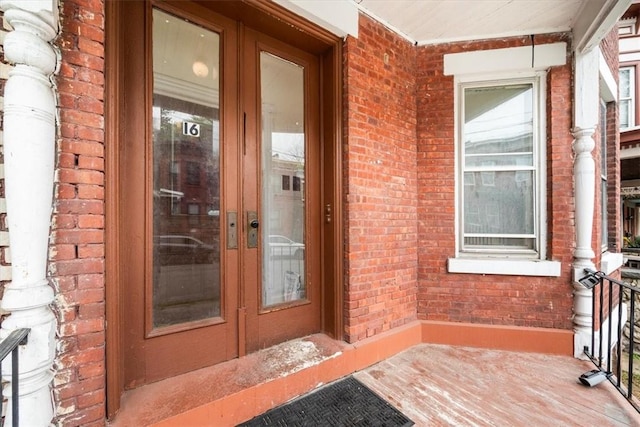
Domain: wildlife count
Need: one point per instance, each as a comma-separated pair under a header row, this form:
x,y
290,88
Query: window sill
x,y
610,262
508,267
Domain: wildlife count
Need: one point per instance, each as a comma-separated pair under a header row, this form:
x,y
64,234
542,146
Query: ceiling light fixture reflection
x,y
200,69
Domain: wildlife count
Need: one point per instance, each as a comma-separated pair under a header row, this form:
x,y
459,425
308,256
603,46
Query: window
x,y
603,176
193,173
500,106
285,182
501,138
193,209
627,97
611,259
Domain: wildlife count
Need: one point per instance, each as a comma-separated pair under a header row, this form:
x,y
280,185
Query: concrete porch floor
x,y
433,384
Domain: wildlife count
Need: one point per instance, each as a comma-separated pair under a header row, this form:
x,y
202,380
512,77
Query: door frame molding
x,y
279,22
114,351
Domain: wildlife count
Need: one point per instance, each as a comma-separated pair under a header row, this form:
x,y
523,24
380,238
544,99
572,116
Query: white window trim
x,y
512,59
611,261
496,65
538,82
508,267
631,99
608,84
630,24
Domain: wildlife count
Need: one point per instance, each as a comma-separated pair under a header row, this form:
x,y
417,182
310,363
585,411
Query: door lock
x,y
252,229
232,230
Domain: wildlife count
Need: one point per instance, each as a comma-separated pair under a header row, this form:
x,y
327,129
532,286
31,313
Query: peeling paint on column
x,y
29,147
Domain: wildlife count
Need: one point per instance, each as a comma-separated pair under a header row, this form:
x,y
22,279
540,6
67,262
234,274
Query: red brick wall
x,y
77,249
489,299
609,46
380,181
560,187
614,208
380,251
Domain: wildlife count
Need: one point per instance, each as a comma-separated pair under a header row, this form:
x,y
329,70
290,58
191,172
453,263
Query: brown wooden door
x,y
281,191
219,178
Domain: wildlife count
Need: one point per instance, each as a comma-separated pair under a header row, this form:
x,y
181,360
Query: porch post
x,y
585,122
29,154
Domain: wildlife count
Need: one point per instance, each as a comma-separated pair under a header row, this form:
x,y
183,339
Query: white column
x,y
29,154
584,177
585,122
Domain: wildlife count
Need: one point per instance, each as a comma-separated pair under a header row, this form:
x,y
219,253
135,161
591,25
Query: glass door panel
x,y
186,173
283,180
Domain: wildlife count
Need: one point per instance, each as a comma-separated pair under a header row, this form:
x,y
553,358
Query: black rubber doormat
x,y
347,402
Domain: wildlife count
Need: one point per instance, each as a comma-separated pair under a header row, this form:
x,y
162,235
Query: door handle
x,y
252,229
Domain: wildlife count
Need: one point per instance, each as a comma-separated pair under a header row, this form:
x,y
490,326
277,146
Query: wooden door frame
x,y
114,351
281,23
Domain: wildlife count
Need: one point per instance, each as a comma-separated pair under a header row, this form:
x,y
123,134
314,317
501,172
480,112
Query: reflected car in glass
x,y
180,250
283,247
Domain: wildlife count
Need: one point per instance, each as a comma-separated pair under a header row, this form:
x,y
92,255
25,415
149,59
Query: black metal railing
x,y
10,345
606,289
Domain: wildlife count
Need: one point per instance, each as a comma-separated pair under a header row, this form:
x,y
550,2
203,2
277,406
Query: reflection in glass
x,y
283,176
604,190
499,121
498,194
186,178
626,99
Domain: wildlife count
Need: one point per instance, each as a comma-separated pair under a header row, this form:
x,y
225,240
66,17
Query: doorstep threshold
x,y
165,399
237,390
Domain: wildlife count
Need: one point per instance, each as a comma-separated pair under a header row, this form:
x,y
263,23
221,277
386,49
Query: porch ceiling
x,y
438,21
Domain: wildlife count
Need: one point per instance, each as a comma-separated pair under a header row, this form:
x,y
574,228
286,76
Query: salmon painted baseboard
x,y
340,359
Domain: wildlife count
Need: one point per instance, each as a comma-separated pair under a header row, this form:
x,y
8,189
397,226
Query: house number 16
x,y
190,129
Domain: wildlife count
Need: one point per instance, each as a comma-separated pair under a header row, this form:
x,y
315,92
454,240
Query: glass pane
x,y
603,138
603,174
498,134
186,172
498,160
624,106
499,203
625,82
499,120
283,177
496,243
604,223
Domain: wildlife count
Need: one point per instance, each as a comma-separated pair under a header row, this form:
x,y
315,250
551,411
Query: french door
x,y
281,188
220,191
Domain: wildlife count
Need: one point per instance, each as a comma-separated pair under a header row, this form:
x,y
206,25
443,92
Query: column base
x,y
581,339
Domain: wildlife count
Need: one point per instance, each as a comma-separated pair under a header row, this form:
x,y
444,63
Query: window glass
x,y
603,175
626,104
498,165
283,158
186,166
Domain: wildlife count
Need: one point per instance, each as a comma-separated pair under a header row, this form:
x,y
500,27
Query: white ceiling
x,y
437,21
